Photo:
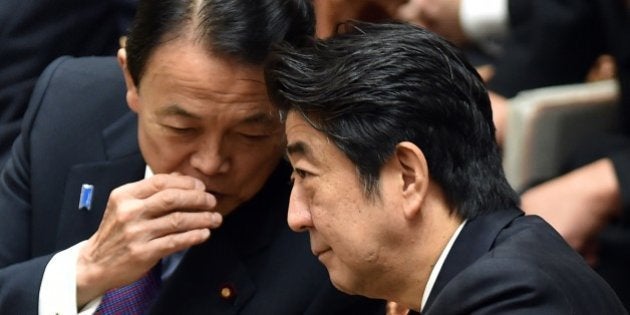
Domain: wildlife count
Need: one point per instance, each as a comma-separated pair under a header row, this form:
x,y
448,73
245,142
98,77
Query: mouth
x,y
219,197
216,194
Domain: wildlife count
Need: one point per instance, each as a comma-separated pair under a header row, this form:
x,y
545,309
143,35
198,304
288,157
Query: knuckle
x,y
176,220
169,199
136,253
172,244
159,181
116,196
125,214
130,233
123,217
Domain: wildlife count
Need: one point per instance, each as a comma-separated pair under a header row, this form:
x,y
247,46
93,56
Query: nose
x,y
210,158
299,215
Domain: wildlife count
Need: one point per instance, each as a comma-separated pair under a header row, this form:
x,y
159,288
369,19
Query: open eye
x,y
297,174
300,173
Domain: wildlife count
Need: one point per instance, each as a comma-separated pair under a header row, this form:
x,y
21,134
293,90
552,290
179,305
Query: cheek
x,y
164,153
251,165
333,217
347,223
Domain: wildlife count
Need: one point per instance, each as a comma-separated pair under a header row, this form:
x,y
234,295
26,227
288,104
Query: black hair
x,y
377,85
239,29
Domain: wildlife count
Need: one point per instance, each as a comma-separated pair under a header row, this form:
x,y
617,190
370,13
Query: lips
x,y
219,197
216,194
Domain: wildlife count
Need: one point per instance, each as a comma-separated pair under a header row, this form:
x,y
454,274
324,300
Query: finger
x,y
172,243
169,200
179,222
149,186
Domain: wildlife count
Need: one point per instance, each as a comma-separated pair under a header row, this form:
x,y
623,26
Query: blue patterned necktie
x,y
134,298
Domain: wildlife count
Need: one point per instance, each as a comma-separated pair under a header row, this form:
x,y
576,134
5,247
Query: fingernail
x,y
217,217
199,185
211,199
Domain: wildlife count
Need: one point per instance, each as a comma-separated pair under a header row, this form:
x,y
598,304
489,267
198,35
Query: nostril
x,y
210,164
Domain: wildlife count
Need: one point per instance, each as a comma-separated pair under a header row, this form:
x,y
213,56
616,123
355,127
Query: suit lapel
x,y
476,238
122,164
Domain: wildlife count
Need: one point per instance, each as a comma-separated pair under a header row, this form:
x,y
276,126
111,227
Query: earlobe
x,y
415,177
132,90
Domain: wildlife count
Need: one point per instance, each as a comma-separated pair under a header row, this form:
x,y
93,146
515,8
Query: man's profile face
x,y
207,117
349,232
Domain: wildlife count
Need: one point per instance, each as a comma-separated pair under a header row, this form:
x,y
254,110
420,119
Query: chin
x,y
225,206
342,288
343,283
355,284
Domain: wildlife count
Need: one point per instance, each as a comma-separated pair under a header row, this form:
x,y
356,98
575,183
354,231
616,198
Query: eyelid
x,y
300,173
254,137
180,129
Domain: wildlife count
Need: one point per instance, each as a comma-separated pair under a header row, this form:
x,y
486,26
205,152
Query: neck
x,y
434,229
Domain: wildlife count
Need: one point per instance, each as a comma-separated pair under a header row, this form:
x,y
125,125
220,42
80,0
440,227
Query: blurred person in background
x,y
331,13
553,42
34,33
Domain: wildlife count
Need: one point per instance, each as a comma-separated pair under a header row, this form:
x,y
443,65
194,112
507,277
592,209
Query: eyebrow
x,y
299,148
176,110
258,118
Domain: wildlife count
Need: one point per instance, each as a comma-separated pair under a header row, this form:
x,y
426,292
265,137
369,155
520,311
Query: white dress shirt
x,y
58,290
438,266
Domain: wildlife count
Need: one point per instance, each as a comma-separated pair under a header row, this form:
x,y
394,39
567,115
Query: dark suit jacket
x,y
34,33
78,130
506,263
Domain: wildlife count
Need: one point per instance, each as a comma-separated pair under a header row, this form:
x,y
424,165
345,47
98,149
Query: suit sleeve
x,y
550,42
20,272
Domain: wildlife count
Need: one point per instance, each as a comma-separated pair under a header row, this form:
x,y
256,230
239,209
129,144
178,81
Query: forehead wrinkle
x,y
176,110
185,83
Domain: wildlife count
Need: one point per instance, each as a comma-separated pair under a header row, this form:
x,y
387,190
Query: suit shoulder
x,y
530,269
79,89
82,75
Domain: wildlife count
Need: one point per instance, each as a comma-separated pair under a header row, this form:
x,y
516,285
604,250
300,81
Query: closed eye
x,y
254,137
180,130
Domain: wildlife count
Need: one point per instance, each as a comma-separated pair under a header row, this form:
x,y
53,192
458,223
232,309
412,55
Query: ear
x,y
132,89
415,176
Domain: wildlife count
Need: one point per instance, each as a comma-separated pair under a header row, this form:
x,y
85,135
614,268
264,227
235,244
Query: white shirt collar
x,y
147,172
438,266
